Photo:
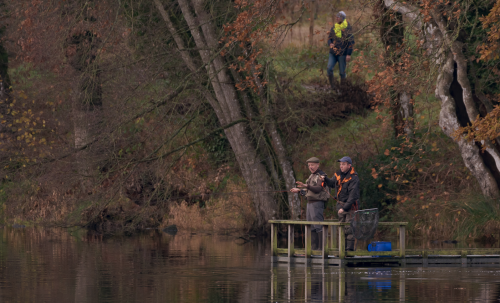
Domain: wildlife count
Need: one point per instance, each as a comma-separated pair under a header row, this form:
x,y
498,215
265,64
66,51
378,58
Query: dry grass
x,y
465,216
226,213
27,201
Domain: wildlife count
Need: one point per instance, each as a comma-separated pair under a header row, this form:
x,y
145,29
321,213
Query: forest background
x,y
125,115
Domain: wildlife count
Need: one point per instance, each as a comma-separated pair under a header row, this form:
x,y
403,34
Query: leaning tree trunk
x,y
283,160
458,106
449,122
227,107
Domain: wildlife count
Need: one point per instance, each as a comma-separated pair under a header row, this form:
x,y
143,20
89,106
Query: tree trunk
x,y
254,172
86,120
4,89
449,122
283,160
86,98
392,36
407,114
311,22
457,98
334,10
226,93
258,133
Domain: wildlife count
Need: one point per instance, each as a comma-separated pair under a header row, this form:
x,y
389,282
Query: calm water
x,y
57,265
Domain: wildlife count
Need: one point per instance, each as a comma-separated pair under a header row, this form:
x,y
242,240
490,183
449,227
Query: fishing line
x,y
225,193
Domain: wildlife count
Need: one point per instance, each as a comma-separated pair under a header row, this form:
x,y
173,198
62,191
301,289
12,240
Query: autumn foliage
x,y
256,23
487,127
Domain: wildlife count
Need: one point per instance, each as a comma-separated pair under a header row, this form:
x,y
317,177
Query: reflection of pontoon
x,y
319,284
333,250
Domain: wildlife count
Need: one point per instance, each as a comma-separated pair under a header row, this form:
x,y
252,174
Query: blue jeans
x,y
332,60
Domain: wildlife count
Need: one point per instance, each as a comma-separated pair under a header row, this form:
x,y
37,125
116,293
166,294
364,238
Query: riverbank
x,y
152,163
431,203
425,184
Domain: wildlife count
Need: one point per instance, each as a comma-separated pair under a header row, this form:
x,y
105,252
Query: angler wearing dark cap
x,y
317,194
341,42
346,183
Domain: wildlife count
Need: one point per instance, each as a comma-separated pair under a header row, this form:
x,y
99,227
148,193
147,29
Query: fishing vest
x,y
314,180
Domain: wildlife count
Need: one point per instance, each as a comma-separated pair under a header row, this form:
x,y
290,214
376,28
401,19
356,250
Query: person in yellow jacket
x,y
341,42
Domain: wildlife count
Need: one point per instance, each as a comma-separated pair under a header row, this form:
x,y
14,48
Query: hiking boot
x,y
349,245
330,79
320,240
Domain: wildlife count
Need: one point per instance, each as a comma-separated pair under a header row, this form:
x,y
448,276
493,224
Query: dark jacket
x,y
344,45
346,187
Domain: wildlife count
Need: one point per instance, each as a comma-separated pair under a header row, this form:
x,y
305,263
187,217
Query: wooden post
x,y
274,240
324,243
333,236
307,283
342,286
402,248
273,277
291,242
341,242
333,288
425,259
323,284
308,249
329,238
290,288
463,255
402,290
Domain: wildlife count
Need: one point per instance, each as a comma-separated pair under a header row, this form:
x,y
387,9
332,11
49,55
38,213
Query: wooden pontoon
x,y
333,249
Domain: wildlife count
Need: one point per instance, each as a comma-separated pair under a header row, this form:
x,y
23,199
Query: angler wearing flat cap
x,y
346,183
317,194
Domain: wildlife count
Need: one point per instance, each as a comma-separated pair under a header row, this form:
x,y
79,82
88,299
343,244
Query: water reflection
x,y
48,265
58,265
326,284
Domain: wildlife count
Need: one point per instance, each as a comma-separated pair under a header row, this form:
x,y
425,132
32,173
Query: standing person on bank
x,y
341,42
317,194
346,183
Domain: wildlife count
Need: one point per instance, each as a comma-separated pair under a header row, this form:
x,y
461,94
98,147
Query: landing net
x,y
364,224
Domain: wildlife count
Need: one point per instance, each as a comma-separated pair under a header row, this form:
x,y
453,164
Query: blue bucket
x,y
380,246
383,278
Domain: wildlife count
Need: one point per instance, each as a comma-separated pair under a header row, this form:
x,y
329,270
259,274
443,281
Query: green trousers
x,y
346,217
